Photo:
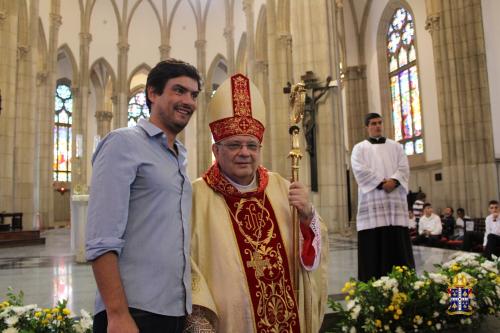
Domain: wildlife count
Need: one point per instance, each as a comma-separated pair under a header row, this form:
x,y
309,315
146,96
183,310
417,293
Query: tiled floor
x,y
48,273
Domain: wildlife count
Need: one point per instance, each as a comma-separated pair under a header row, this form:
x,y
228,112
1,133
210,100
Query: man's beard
x,y
176,126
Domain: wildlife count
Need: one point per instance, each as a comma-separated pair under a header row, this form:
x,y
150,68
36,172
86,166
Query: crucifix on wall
x,y
315,90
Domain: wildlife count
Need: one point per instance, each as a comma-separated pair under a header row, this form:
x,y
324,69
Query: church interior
x,y
73,70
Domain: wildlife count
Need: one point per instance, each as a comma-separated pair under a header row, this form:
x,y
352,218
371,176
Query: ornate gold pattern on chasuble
x,y
263,254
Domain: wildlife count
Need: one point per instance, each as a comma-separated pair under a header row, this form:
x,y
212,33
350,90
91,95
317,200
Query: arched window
x,y
137,108
403,80
62,132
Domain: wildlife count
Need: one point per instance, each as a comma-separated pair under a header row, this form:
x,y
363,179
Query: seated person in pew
x,y
429,228
491,241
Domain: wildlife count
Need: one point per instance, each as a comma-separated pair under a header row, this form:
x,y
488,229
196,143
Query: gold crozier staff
x,y
297,103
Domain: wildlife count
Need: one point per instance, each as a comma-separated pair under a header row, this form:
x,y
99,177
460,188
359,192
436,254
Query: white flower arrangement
x,y
402,301
18,318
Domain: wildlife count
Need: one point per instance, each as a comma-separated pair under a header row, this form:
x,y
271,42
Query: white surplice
x,y
371,164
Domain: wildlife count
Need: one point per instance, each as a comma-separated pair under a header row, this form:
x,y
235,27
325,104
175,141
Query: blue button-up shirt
x,y
139,207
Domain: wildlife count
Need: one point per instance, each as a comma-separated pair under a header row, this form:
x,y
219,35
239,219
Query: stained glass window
x,y
62,133
403,80
137,108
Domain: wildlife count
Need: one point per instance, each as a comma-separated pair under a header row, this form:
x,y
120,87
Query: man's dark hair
x,y
493,202
371,116
421,196
166,70
427,204
460,210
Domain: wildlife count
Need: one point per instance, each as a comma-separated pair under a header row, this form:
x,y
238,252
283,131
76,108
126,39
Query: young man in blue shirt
x,y
139,210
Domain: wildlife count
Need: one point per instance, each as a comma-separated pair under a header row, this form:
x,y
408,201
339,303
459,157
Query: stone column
x,y
24,123
8,54
278,139
286,49
79,163
122,88
228,35
469,171
262,82
165,51
103,122
248,10
202,129
44,143
46,216
356,92
314,34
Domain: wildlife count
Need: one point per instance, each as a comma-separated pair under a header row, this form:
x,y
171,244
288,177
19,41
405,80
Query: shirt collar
x,y
243,188
149,127
152,130
376,141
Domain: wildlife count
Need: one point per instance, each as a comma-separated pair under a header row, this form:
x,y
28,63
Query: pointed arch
x,y
101,65
171,18
64,51
241,55
153,7
142,68
217,72
102,77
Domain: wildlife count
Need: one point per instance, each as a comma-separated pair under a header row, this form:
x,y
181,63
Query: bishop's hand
x,y
298,197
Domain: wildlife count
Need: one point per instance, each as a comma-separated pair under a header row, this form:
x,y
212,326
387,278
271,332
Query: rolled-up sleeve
x,y
114,169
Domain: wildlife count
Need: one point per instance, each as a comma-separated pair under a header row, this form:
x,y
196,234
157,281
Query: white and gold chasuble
x,y
241,250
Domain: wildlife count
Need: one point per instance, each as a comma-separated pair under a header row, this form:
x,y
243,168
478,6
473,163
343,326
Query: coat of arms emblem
x,y
461,294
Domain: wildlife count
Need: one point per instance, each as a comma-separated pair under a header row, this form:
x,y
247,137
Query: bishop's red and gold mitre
x,y
237,108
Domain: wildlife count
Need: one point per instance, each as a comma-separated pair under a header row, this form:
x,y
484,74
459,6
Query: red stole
x,y
262,253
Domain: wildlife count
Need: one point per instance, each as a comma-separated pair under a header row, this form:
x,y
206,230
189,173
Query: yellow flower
x,y
396,316
49,316
391,307
348,286
45,321
455,267
351,292
66,311
59,318
399,312
46,310
399,298
347,298
429,323
378,323
55,310
418,320
38,314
